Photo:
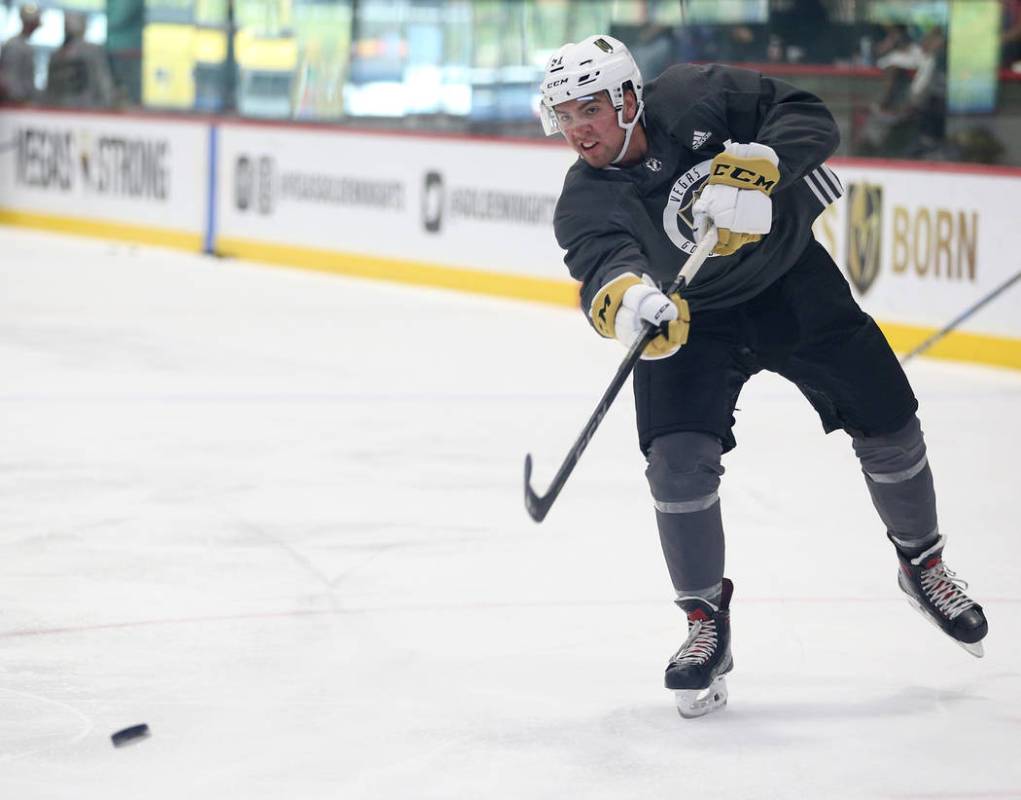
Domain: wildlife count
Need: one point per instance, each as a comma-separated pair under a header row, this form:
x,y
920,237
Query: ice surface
x,y
278,516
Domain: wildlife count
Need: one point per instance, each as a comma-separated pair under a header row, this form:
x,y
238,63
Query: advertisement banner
x,y
80,168
476,205
920,246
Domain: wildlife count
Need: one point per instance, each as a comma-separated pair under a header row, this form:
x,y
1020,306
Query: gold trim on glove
x,y
606,303
677,333
729,242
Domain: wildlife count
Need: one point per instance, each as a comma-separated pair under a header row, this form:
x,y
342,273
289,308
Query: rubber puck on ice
x,y
130,735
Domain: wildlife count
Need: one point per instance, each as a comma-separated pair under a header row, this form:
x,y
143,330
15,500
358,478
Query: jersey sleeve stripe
x,y
834,182
824,185
818,195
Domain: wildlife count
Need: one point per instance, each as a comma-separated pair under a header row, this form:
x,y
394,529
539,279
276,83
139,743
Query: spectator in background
x,y
909,121
928,92
895,47
1010,39
800,31
79,73
125,20
17,61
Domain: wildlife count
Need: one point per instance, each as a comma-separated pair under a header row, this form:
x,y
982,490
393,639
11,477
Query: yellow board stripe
x,y
957,346
103,229
522,287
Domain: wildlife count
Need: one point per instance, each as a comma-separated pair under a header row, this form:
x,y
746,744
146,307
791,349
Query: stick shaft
x,y
538,506
951,326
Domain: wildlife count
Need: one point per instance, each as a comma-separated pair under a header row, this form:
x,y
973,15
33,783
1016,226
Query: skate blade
x,y
975,648
693,703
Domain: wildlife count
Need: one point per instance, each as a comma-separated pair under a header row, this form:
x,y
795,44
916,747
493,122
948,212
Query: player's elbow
x,y
829,133
832,137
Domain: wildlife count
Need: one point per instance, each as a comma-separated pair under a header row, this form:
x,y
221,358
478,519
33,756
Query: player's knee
x,y
684,468
894,453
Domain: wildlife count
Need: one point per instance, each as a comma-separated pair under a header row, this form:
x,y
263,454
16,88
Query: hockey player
x,y
658,164
17,59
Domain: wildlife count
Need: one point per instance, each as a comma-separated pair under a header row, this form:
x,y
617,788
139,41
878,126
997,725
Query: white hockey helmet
x,y
593,65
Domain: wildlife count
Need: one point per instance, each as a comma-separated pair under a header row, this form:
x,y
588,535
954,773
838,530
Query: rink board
x,y
463,214
106,175
922,244
919,243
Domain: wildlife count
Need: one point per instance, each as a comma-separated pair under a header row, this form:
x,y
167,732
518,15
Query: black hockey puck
x,y
130,735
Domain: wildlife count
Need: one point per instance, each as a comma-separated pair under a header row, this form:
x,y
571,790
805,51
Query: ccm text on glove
x,y
736,197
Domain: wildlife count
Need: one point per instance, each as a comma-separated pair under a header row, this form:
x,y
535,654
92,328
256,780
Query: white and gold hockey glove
x,y
622,306
737,196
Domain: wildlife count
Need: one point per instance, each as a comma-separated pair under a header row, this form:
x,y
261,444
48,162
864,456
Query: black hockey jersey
x,y
638,218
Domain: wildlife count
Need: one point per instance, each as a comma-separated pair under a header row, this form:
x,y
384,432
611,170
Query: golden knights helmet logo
x,y
864,234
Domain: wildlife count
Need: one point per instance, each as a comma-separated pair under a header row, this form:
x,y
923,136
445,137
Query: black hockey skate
x,y
696,671
938,594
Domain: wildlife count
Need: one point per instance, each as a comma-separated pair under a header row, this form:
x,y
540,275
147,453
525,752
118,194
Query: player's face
x,y
590,126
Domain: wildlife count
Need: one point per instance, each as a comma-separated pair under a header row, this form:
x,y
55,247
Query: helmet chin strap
x,y
629,128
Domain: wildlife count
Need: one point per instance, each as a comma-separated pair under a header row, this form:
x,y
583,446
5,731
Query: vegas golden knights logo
x,y
864,234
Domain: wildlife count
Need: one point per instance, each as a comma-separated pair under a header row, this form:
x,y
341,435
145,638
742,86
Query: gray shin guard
x,y
684,475
899,479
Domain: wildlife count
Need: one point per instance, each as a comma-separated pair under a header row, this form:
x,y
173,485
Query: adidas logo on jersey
x,y
699,138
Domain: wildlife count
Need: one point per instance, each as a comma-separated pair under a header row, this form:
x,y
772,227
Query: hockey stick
x,y
538,506
952,325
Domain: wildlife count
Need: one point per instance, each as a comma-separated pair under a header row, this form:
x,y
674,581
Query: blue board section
x,y
210,232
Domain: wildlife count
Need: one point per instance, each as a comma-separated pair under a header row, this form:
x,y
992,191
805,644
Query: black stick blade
x,y
536,506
